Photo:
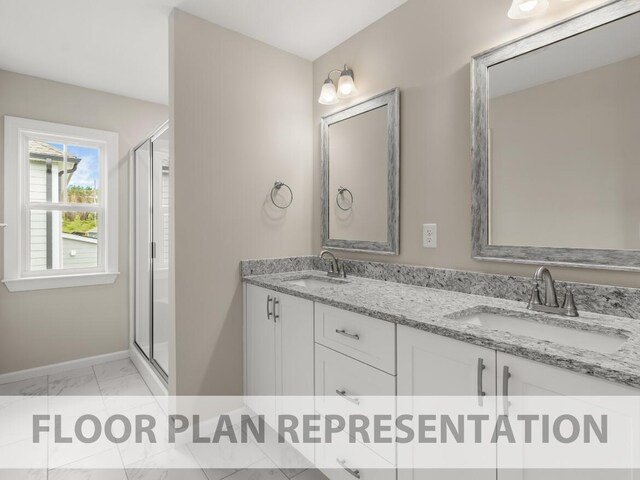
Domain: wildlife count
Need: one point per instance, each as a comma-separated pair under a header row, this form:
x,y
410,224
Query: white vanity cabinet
x,y
278,344
355,362
279,360
520,381
295,347
430,364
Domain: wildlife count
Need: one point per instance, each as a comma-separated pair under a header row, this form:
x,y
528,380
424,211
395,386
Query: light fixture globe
x,y
527,8
328,94
346,85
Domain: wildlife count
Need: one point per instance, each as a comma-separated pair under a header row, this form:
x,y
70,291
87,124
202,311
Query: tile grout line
x,y
124,470
299,473
98,382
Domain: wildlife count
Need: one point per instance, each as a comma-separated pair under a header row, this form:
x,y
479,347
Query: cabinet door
x,y
525,382
294,380
432,365
260,352
294,346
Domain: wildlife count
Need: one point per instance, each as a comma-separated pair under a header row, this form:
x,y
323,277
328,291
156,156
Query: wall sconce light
x,y
346,87
527,8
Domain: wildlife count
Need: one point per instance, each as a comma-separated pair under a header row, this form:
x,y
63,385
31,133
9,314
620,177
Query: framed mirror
x,y
360,193
555,126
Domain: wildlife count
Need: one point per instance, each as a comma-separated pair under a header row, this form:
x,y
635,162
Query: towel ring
x,y
341,192
274,191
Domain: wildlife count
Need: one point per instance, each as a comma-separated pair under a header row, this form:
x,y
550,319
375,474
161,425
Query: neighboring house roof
x,y
41,151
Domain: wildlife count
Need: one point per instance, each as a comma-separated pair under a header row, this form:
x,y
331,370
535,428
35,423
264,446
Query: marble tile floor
x,y
106,382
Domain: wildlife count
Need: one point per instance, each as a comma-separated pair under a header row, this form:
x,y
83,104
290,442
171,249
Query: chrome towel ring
x,y
341,193
274,192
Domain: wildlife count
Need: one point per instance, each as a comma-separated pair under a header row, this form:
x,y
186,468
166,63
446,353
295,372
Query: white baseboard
x,y
150,377
61,367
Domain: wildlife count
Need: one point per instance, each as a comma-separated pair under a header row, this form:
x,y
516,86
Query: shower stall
x,y
151,165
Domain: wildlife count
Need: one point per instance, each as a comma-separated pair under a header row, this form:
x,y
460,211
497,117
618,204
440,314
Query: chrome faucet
x,y
550,297
550,305
334,267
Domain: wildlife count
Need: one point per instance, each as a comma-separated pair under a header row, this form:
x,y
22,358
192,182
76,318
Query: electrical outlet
x,y
430,235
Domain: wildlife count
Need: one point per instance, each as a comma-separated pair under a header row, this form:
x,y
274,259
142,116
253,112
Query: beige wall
x,y
356,145
242,114
424,48
564,161
49,326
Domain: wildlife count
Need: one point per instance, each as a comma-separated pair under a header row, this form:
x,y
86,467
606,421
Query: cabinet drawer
x,y
343,460
364,391
369,340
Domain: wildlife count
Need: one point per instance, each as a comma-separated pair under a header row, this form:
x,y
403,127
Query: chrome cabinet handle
x,y
506,375
343,464
481,367
269,300
344,395
276,302
344,333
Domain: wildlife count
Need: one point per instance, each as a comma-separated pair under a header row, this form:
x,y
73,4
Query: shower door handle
x,y
153,250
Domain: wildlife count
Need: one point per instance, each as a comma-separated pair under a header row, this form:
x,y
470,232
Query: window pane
x,y
40,246
79,240
83,174
63,240
46,163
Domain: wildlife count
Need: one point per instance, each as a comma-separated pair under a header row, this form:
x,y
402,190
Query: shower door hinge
x,y
153,250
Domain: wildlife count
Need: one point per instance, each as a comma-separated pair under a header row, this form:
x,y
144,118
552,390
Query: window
x,y
61,205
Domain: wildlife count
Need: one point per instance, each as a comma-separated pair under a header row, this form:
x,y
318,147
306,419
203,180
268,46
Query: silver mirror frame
x,y
390,100
480,64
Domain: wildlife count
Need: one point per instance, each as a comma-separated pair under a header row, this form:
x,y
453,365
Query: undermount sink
x,y
595,341
315,281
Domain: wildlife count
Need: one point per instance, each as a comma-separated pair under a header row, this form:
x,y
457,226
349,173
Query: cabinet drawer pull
x,y
269,300
344,395
344,333
343,464
481,393
276,302
506,375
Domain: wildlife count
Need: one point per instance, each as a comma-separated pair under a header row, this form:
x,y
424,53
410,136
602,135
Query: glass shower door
x,y
143,244
160,264
151,229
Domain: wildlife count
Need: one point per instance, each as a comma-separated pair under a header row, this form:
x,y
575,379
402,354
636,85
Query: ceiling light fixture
x,y
527,8
346,87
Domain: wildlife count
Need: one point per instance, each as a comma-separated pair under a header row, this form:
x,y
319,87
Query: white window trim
x,y
15,279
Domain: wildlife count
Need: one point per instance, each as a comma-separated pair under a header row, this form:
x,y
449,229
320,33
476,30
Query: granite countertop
x,y
438,311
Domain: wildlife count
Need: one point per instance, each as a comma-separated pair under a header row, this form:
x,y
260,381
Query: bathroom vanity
x,y
309,334
399,331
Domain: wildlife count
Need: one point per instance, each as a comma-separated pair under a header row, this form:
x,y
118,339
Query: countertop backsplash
x,y
606,300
